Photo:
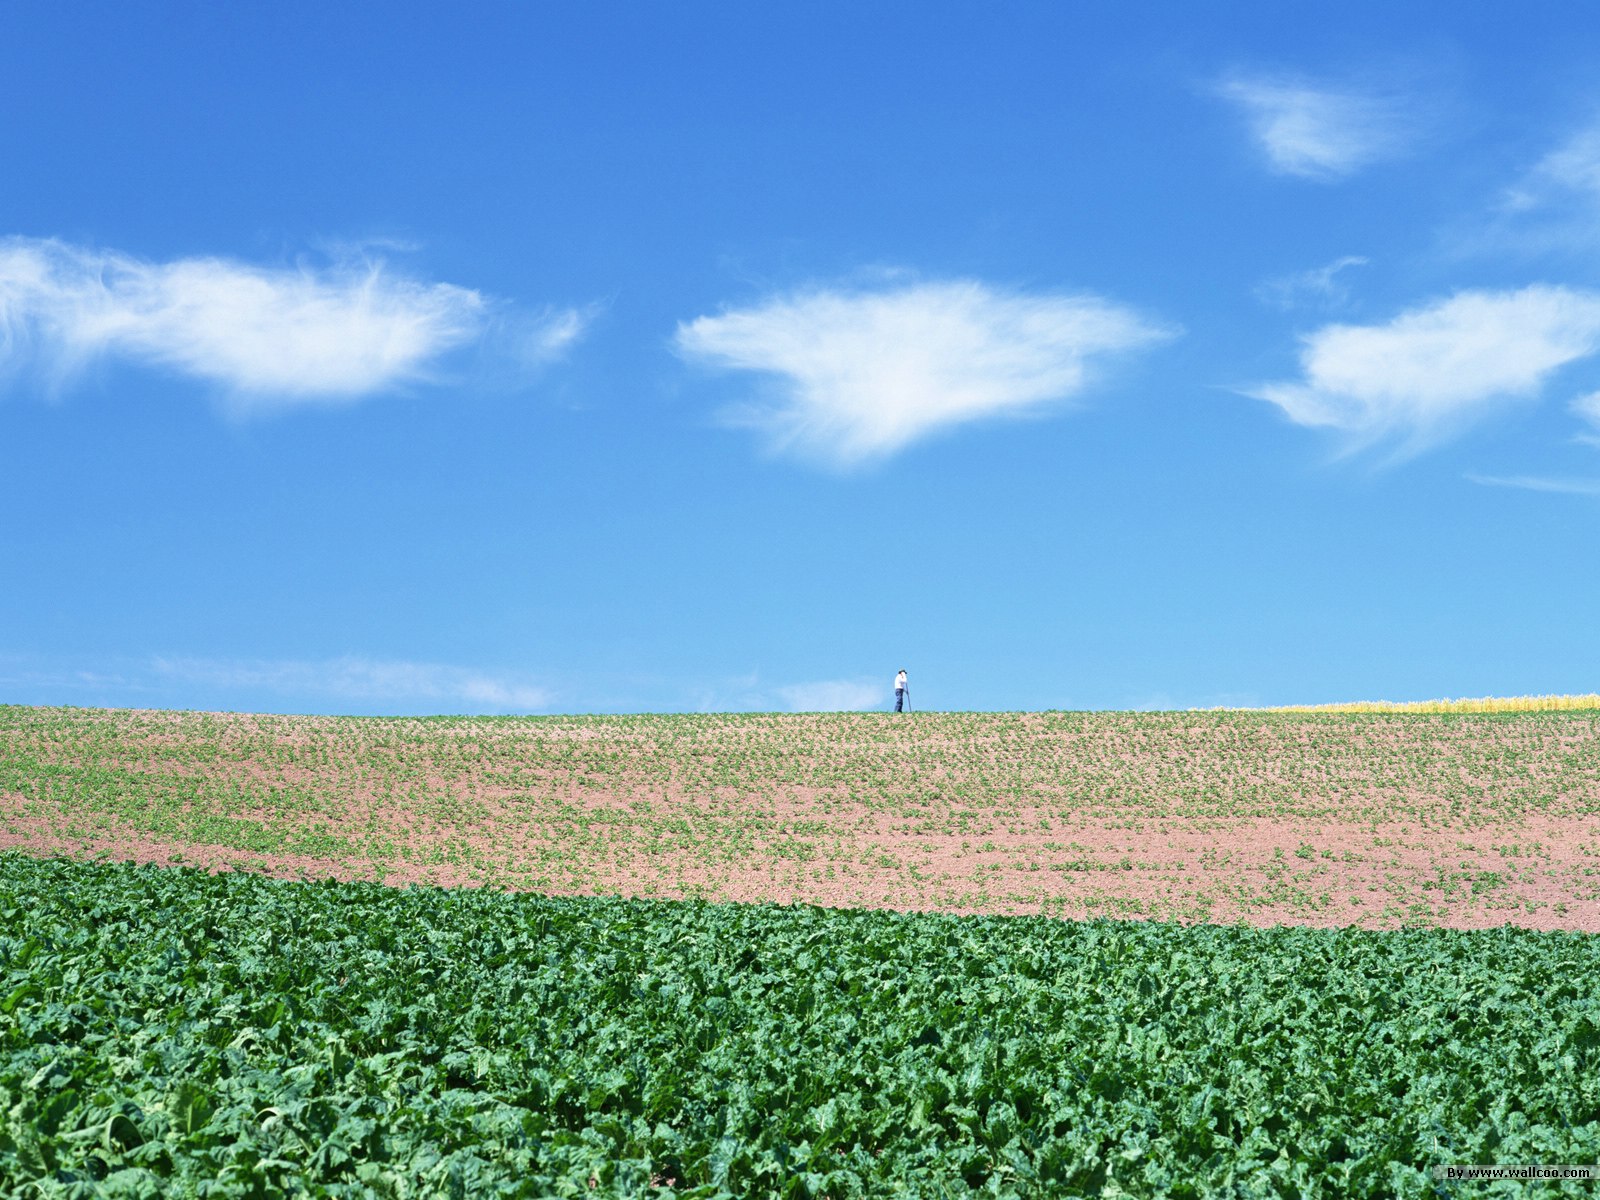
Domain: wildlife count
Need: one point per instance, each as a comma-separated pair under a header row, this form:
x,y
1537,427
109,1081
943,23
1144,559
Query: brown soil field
x,y
1367,819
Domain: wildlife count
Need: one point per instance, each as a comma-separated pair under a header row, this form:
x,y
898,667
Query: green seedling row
x,y
1399,817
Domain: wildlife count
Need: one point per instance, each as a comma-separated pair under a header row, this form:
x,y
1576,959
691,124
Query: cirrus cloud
x,y
1587,409
369,681
832,695
1553,209
1540,483
862,374
1320,285
1438,367
267,336
1571,169
1318,132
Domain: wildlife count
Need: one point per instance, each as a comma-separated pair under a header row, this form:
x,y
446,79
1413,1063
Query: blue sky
x,y
520,358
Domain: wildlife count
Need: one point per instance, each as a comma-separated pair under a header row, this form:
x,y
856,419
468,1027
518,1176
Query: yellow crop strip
x,y
1485,704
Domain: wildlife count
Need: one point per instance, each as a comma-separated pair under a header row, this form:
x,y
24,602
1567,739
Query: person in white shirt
x,y
899,689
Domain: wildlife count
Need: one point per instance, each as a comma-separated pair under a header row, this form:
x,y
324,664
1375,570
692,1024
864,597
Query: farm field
x,y
176,1033
1371,819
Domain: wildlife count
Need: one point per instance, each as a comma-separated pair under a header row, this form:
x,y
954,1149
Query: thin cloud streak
x,y
19,671
548,336
268,337
1570,170
1538,483
860,375
832,695
1436,368
1317,132
1587,410
1552,210
1320,285
362,679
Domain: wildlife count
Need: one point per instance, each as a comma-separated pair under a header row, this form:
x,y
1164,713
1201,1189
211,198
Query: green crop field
x,y
1294,1017
174,1033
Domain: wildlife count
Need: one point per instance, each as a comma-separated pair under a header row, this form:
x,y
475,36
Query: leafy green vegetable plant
x,y
165,1032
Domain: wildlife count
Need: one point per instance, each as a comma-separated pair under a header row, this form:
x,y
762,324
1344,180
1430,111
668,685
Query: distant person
x,y
899,689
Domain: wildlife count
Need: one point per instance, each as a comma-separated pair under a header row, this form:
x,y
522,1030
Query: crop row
x,y
252,778
167,1032
1376,819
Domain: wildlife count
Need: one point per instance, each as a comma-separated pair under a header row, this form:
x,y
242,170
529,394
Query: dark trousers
x,y
899,698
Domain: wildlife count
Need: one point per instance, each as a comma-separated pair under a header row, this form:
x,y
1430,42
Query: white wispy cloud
x,y
1316,131
1540,483
1320,285
28,672
1587,410
1437,367
1551,209
538,339
366,680
861,373
266,336
1572,169
833,695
